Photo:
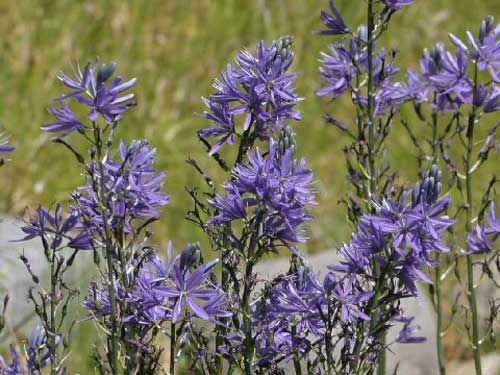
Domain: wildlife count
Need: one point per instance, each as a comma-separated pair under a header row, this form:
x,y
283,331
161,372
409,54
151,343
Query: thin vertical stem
x,y
437,270
439,328
370,106
173,340
381,368
109,253
471,293
52,333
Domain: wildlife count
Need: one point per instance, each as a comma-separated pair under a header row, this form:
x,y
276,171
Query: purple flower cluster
x,y
482,238
446,75
260,88
163,291
133,189
295,316
273,188
37,356
402,237
91,88
347,62
57,232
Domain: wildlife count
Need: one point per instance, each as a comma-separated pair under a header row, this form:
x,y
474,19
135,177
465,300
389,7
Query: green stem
x,y
172,348
471,293
437,270
52,333
370,107
439,328
109,254
247,322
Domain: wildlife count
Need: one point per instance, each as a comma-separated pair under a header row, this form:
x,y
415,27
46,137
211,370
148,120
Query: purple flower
x,y
338,70
4,147
406,335
397,4
274,188
187,288
66,123
402,236
289,316
452,77
89,88
220,114
14,367
37,356
133,189
53,229
258,88
350,300
334,22
485,49
480,240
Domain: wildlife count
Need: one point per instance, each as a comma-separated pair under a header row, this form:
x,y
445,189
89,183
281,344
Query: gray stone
x,y
414,359
15,280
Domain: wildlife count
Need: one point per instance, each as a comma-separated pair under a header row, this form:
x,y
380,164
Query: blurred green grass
x,y
175,48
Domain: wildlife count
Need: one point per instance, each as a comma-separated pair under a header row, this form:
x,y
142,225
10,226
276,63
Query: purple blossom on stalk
x,y
334,22
397,4
485,49
54,229
186,288
89,88
439,76
338,70
273,187
66,122
350,299
162,290
133,189
14,367
37,356
406,335
481,238
402,236
259,88
452,77
288,317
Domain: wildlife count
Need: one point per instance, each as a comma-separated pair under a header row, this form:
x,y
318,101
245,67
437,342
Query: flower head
x,y
397,4
334,22
275,188
259,88
133,189
91,88
53,230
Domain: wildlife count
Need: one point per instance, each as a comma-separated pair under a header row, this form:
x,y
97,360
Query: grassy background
x,y
175,48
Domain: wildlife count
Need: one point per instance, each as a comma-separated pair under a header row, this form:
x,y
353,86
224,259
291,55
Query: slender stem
x,y
471,293
247,322
52,333
437,270
439,328
381,369
372,308
108,254
296,361
370,107
172,348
